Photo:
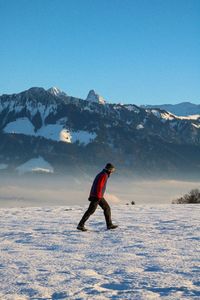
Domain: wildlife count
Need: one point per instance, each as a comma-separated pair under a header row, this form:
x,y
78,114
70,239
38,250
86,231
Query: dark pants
x,y
94,202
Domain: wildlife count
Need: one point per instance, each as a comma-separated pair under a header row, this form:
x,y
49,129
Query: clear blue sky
x,y
129,51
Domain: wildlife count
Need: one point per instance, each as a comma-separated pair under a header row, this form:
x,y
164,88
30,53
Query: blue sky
x,y
129,51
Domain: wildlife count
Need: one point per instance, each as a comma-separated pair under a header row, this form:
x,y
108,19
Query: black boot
x,y
112,226
81,227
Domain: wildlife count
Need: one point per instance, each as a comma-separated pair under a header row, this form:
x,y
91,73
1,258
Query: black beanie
x,y
109,167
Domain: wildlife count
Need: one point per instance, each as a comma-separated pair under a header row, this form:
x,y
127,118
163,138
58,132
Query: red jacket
x,y
99,185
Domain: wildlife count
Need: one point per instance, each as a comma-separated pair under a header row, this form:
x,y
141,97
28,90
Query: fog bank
x,y
48,191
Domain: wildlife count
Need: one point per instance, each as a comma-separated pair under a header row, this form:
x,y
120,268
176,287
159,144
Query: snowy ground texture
x,y
154,254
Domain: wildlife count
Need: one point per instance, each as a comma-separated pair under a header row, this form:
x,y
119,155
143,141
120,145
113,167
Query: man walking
x,y
96,198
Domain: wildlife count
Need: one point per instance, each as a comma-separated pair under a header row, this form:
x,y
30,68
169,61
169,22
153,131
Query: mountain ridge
x,y
179,109
41,123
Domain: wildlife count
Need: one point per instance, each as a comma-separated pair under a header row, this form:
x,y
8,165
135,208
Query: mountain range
x,y
180,109
50,131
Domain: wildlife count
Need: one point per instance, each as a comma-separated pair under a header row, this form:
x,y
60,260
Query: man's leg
x,y
91,209
107,211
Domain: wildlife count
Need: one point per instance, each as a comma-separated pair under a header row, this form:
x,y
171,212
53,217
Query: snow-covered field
x,y
154,254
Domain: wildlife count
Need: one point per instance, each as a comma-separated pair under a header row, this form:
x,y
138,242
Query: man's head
x,y
110,168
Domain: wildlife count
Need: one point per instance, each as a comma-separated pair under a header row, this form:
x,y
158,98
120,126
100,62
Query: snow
x,y
191,117
163,115
154,112
167,116
35,165
20,126
171,117
56,91
45,111
154,254
132,108
140,126
180,109
117,107
31,106
196,125
55,132
51,131
83,137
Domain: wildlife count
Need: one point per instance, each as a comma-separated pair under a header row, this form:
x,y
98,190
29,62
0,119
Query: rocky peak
x,y
34,90
94,97
36,95
56,92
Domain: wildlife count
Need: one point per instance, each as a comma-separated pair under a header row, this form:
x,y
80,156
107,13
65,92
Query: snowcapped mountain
x,y
75,134
180,109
